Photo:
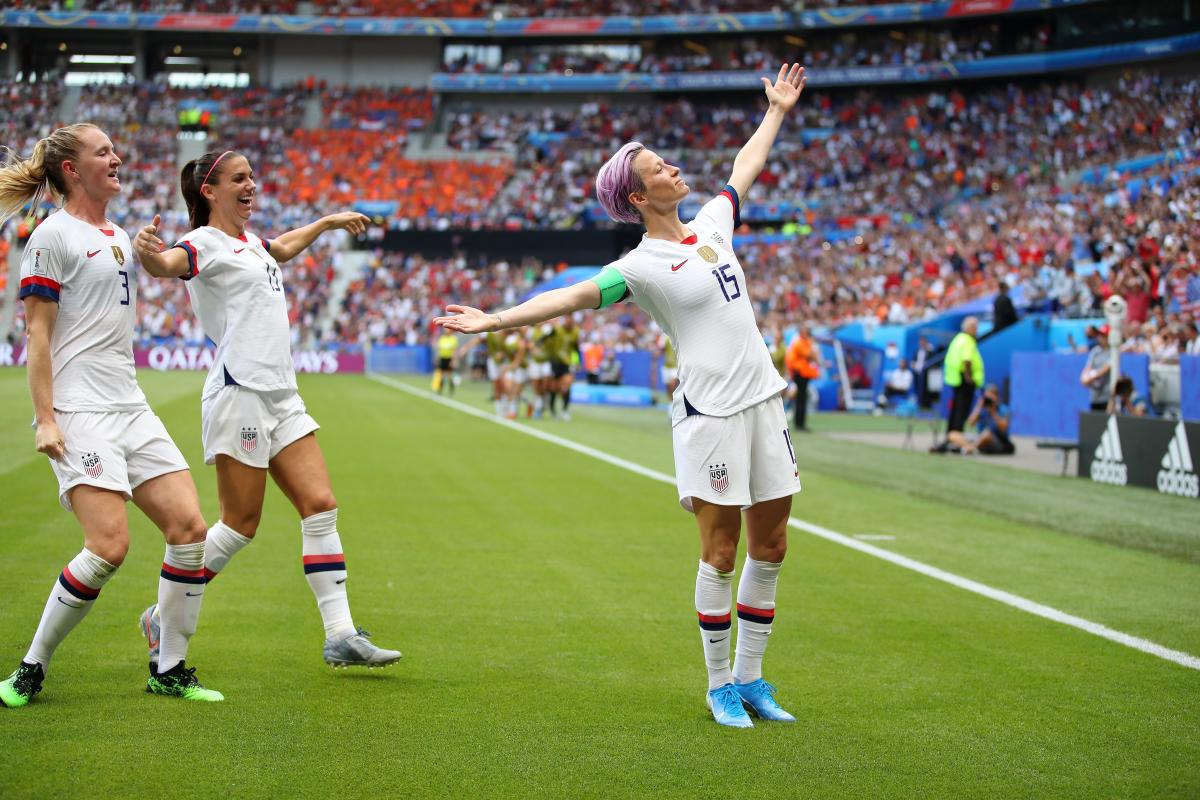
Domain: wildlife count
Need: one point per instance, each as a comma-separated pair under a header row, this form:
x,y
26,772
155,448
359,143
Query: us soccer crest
x,y
249,439
92,466
708,254
119,255
718,478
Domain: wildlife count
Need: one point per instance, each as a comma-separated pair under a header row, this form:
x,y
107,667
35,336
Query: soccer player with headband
x,y
733,450
79,287
253,420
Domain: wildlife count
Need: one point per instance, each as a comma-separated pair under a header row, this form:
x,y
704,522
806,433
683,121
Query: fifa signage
x,y
1139,451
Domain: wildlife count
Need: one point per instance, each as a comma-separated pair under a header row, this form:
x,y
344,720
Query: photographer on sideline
x,y
991,418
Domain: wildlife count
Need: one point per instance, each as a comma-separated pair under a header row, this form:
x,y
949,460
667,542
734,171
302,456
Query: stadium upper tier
x,y
484,18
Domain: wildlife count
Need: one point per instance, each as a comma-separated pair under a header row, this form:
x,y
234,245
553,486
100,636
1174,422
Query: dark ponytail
x,y
193,177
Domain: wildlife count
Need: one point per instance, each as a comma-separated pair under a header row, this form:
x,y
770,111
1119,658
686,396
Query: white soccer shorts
x,y
252,427
740,460
668,374
539,370
493,370
117,450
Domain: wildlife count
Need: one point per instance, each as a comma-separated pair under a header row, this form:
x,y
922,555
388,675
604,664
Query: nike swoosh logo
x,y
343,580
93,253
676,267
194,594
235,252
68,605
714,641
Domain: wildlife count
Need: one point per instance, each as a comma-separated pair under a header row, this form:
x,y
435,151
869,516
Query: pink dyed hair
x,y
616,180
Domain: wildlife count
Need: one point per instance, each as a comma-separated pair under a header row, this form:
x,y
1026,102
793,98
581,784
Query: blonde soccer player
x,y
733,452
105,445
253,421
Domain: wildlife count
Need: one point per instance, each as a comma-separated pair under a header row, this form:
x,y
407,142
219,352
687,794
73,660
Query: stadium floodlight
x,y
102,59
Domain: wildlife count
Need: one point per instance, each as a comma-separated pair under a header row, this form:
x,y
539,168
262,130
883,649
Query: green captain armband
x,y
612,287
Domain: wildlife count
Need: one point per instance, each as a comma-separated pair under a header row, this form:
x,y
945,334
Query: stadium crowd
x,y
429,8
838,49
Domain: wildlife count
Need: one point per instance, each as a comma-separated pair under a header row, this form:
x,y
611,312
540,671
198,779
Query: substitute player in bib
x,y
253,420
79,287
733,452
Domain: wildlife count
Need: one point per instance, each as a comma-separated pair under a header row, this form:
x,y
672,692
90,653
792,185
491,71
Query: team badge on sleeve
x,y
119,255
718,478
249,439
708,254
92,466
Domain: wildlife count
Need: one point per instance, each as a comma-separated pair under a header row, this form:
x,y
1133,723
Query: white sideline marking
x,y
874,537
999,595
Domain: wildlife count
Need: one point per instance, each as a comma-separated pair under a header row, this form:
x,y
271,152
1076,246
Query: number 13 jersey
x,y
696,291
236,290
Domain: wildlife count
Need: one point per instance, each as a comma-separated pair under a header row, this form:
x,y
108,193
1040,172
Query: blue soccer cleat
x,y
758,697
726,706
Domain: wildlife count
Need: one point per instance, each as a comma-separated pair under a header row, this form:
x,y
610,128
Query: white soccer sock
x,y
70,600
222,544
713,601
756,612
180,590
325,571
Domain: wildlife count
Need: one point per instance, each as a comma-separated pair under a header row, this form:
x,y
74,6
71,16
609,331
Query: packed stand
x,y
844,157
865,48
435,8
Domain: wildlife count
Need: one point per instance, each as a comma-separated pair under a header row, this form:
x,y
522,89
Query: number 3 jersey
x,y
89,272
696,291
237,293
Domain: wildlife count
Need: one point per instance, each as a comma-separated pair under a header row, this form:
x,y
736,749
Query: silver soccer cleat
x,y
356,650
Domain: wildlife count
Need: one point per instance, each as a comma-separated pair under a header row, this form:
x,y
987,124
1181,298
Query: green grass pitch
x,y
543,601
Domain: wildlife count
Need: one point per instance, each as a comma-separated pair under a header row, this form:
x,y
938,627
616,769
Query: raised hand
x,y
351,221
147,243
465,319
788,85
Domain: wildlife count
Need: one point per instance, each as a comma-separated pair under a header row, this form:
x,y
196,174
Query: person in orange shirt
x,y
803,364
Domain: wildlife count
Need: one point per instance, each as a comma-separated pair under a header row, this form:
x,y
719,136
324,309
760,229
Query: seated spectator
x,y
899,382
1126,400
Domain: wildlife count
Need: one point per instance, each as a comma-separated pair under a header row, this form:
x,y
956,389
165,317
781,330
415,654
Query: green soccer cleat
x,y
180,681
22,685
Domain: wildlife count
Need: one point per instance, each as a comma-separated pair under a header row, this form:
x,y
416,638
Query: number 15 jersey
x,y
89,272
236,290
696,291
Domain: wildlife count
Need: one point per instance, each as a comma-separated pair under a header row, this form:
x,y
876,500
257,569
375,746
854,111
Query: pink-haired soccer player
x,y
733,452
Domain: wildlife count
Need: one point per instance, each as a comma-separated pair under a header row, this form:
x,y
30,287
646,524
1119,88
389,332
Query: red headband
x,y
214,166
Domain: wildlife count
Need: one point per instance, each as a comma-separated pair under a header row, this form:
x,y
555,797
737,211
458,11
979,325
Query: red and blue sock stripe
x,y
77,587
714,622
330,563
183,575
763,616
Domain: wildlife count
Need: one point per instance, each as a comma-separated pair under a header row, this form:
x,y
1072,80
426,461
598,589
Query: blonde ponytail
x,y
30,181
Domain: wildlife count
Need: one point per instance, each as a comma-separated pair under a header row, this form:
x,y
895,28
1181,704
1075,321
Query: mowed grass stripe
x,y
544,607
999,595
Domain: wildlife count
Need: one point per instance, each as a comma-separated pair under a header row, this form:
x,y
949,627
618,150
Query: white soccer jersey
x,y
696,291
236,289
90,273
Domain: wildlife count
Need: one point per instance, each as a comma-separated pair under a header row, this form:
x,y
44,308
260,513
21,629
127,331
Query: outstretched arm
x,y
291,244
546,306
782,95
154,255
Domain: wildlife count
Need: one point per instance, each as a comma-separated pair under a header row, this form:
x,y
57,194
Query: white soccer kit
x,y
113,439
250,408
732,445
